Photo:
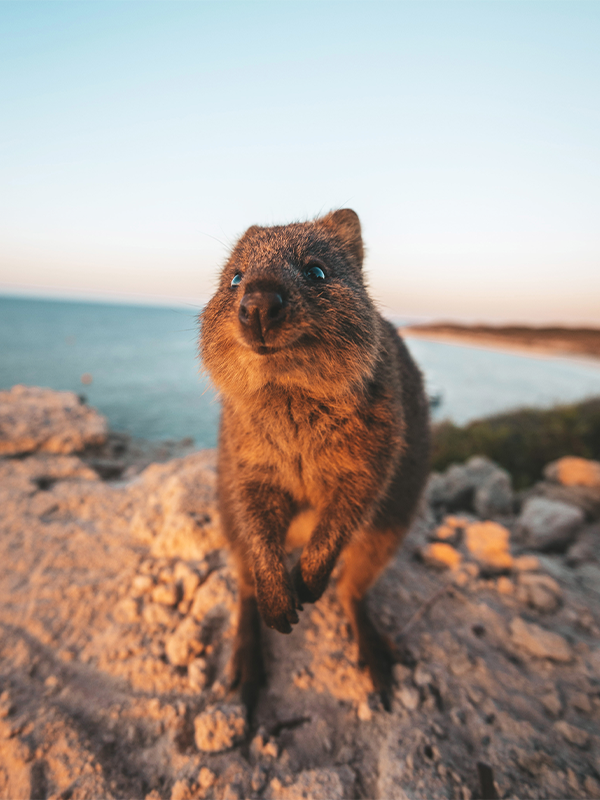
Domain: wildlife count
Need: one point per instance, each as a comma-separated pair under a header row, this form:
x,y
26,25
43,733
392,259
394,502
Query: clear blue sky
x,y
139,139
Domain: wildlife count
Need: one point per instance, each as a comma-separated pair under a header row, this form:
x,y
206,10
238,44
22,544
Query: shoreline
x,y
506,344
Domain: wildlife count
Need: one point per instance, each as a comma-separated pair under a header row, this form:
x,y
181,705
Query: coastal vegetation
x,y
522,441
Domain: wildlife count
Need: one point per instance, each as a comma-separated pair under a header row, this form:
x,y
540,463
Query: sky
x,y
138,140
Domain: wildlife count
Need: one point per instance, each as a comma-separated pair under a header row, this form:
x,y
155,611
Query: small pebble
x,y
140,585
539,642
572,734
440,554
504,585
206,778
552,704
220,727
526,563
197,674
166,594
409,697
581,702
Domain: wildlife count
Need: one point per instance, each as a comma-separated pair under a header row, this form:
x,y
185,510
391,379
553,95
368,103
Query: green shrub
x,y
522,441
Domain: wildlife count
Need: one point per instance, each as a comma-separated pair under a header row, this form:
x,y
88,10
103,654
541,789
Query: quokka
x,y
324,418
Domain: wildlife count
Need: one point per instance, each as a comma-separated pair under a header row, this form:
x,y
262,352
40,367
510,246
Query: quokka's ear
x,y
251,231
345,225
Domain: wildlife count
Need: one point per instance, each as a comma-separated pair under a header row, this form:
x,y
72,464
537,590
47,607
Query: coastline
x,y
507,344
120,606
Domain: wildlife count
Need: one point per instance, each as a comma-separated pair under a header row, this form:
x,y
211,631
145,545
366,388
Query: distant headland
x,y
554,340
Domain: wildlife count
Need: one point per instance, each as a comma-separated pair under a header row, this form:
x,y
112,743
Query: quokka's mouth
x,y
265,349
265,345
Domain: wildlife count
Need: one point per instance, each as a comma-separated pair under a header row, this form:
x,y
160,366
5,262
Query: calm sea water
x,y
145,372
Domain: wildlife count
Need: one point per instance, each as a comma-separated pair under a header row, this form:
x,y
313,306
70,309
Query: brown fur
x,y
324,417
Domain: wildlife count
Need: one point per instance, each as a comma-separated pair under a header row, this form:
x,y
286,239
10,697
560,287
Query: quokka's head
x,y
292,309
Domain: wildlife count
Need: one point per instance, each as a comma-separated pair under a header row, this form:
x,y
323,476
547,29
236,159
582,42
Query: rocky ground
x,y
118,605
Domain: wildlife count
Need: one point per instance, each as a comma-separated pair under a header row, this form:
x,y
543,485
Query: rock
x,y
526,563
450,528
177,516
581,702
34,419
158,614
589,577
445,532
549,524
586,547
409,697
586,498
206,778
539,642
592,787
141,585
479,483
259,778
313,784
504,585
488,543
494,498
551,702
573,471
263,746
166,594
198,674
184,644
188,578
572,734
219,728
6,704
215,597
539,591
127,610
181,791
440,554
421,676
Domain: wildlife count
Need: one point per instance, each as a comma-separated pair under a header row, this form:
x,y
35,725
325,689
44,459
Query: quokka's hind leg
x,y
364,559
247,667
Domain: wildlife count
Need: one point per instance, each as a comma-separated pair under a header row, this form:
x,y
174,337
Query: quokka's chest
x,y
308,447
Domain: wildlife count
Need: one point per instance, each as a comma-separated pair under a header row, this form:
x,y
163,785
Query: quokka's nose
x,y
261,310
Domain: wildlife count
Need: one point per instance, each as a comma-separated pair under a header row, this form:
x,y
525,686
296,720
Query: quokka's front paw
x,y
277,604
308,588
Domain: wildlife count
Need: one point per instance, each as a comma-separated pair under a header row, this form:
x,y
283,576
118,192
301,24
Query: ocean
x,y
146,378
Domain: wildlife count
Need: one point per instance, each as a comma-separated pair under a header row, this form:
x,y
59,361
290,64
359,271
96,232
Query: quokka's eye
x,y
237,279
314,272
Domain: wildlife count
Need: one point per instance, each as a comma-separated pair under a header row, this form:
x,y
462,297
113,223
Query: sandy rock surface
x,y
35,419
117,610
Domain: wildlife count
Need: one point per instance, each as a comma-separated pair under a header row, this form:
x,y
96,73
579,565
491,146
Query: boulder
x,y
586,548
587,498
34,419
488,543
176,514
549,524
574,471
442,555
478,485
494,498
